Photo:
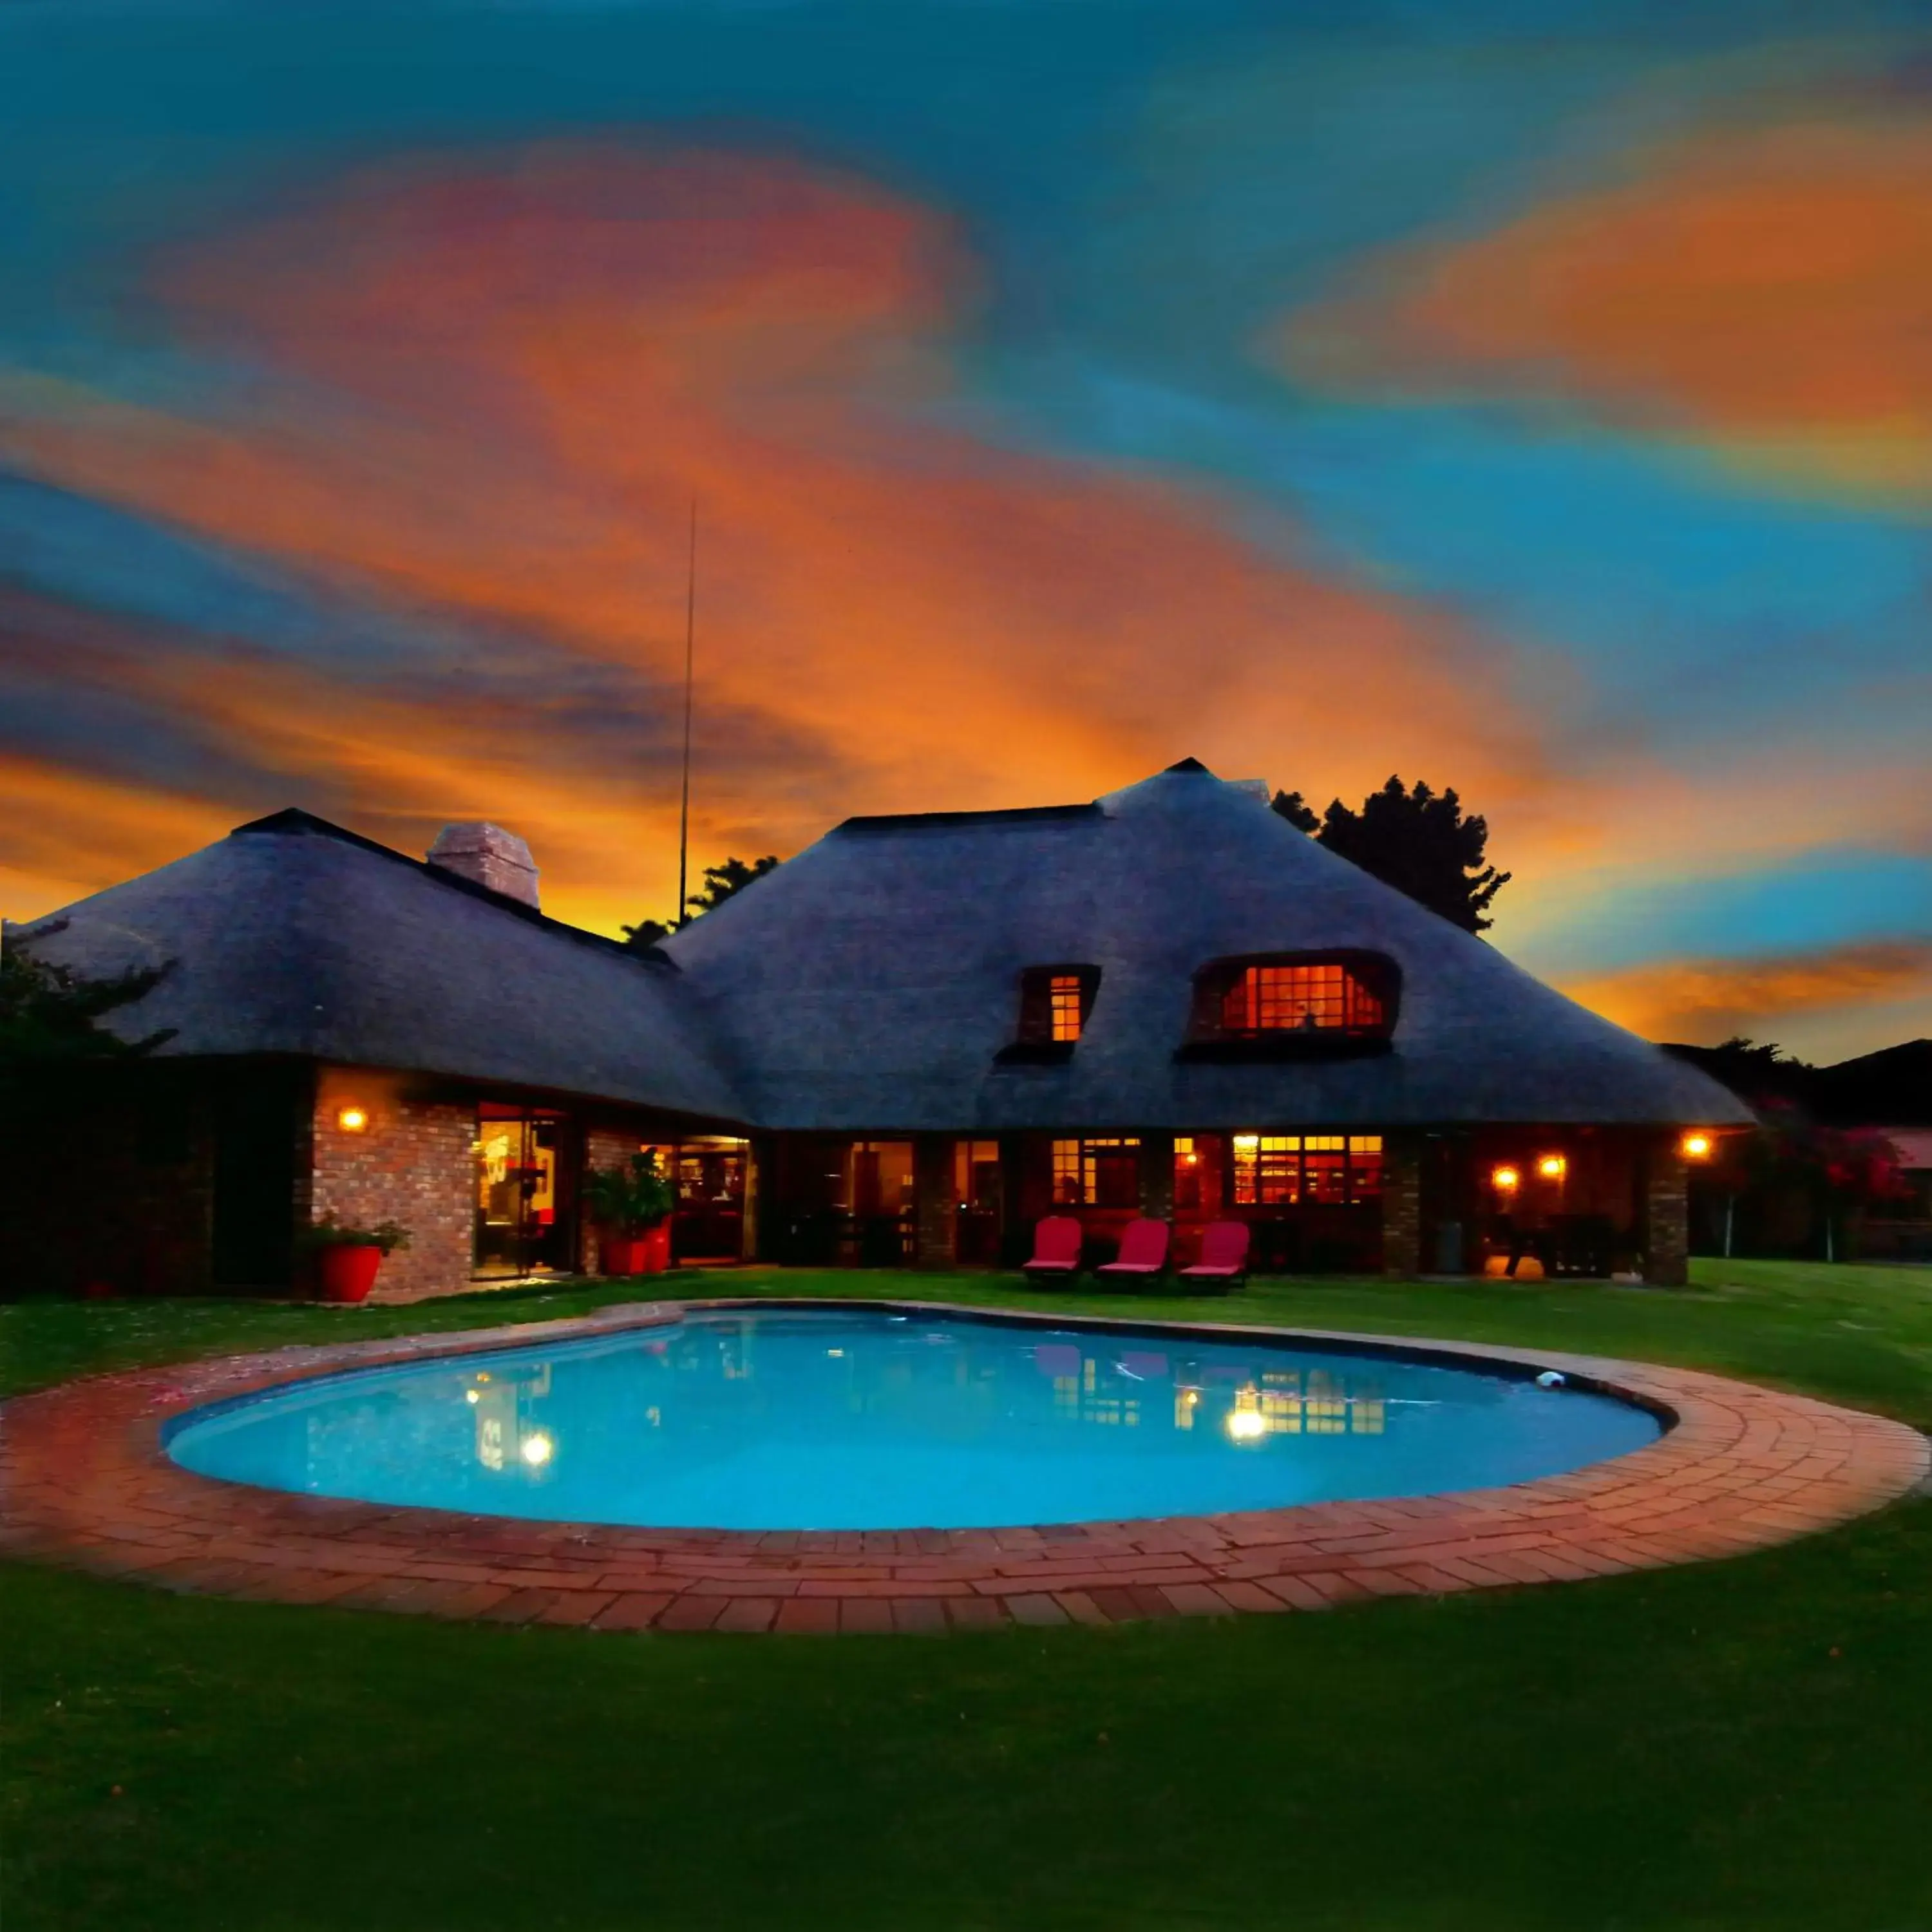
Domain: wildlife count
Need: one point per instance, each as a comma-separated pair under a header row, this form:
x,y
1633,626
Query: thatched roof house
x,y
1166,1000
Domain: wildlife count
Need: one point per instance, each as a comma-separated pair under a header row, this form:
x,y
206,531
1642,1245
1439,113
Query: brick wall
x,y
1402,1206
1666,1236
414,1162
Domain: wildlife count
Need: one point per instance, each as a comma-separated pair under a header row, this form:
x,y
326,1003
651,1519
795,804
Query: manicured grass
x,y
1737,1744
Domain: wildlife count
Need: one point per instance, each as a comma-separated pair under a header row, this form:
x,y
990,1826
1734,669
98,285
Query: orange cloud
x,y
493,383
1764,290
1704,1000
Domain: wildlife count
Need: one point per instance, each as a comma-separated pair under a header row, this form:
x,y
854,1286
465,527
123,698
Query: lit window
x,y
1064,1003
1055,1003
1365,1167
1267,1170
1186,1175
1320,998
1285,1170
1097,1173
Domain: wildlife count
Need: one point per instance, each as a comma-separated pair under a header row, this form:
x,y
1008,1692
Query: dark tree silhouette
x,y
1415,840
721,882
728,880
50,1014
646,933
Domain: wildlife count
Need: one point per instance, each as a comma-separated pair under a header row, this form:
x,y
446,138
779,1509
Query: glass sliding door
x,y
525,1192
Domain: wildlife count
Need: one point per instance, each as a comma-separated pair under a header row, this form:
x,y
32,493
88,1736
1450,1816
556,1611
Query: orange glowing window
x,y
1322,997
1066,1005
1055,1004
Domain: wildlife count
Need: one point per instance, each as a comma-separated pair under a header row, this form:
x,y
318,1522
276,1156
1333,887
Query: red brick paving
x,y
84,1482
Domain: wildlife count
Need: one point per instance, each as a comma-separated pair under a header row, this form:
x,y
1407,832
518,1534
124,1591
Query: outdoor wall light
x,y
1551,1166
536,1449
1504,1180
1247,1425
1697,1147
353,1119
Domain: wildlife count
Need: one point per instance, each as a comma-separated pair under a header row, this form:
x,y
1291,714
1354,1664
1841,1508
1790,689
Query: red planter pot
x,y
647,1253
345,1274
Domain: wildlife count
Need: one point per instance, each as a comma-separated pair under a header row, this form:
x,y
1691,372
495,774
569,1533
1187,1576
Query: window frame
x,y
1211,1037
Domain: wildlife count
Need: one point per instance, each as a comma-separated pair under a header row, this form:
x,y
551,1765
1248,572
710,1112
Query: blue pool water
x,y
865,1420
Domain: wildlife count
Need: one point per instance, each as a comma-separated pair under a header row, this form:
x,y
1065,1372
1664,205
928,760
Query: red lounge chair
x,y
1056,1249
1143,1253
1224,1259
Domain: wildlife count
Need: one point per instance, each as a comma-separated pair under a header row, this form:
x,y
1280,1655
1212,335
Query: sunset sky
x,y
1535,399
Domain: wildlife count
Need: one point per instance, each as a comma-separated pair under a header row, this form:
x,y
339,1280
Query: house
x,y
904,1045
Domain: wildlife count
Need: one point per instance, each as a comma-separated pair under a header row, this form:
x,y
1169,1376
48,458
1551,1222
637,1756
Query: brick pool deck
x,y
85,1482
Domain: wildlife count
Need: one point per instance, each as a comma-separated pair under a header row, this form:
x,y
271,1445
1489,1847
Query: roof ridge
x,y
292,821
910,821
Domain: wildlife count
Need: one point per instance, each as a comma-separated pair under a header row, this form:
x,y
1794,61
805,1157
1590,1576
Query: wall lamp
x,y
353,1119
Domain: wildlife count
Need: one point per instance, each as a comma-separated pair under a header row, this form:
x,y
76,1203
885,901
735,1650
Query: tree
x,y
721,883
50,1015
1413,840
728,880
646,933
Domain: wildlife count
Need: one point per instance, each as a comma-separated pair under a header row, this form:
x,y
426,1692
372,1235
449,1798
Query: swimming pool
x,y
869,1419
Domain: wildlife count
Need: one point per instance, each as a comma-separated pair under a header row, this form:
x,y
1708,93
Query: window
x,y
1186,1175
1287,1170
1066,1005
1293,1004
1056,1003
1308,999
1097,1174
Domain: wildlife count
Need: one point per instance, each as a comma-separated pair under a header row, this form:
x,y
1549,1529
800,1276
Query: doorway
x,y
525,1193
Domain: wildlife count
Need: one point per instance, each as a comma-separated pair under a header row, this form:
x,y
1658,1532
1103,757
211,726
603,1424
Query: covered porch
x,y
1530,1202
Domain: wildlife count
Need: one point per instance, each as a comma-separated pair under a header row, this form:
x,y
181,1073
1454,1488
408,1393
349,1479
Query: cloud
x,y
1704,1000
1759,289
479,390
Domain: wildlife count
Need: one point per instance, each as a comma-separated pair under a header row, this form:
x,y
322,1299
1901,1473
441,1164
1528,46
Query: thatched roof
x,y
293,936
870,982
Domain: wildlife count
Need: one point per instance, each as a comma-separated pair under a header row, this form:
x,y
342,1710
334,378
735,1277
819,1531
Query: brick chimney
x,y
487,855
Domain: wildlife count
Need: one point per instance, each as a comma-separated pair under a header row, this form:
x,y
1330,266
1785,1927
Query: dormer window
x,y
1055,1003
1324,997
1287,1004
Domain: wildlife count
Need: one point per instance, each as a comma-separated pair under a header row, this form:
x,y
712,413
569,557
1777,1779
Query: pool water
x,y
868,1420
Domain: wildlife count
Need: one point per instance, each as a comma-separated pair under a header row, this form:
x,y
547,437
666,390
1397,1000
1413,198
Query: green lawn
x,y
1746,1743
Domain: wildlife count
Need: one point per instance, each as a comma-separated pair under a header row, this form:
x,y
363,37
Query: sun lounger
x,y
1224,1259
1056,1249
1143,1253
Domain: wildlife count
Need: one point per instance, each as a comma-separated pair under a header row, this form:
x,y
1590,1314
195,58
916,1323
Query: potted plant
x,y
634,1204
346,1258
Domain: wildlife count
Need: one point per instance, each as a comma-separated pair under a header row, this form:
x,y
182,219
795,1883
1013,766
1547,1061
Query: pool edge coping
x,y
88,1484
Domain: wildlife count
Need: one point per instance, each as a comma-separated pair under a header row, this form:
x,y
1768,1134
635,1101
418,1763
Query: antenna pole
x,y
684,802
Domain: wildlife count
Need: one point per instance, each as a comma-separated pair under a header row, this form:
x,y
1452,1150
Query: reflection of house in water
x,y
509,1435
1119,1391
